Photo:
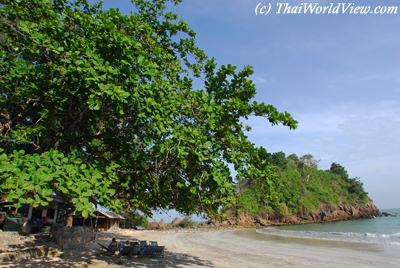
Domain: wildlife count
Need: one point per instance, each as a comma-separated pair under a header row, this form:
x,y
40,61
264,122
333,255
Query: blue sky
x,y
339,76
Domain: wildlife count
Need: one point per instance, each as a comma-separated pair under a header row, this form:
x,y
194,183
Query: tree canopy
x,y
98,106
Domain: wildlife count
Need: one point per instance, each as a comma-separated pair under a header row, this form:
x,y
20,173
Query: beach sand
x,y
227,248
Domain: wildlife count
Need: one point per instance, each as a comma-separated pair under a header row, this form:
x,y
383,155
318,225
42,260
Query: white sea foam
x,y
396,235
387,239
370,235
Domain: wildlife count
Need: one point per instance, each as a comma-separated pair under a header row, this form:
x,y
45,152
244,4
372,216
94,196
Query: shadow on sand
x,y
93,256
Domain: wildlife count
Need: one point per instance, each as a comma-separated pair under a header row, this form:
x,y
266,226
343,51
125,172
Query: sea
x,y
380,230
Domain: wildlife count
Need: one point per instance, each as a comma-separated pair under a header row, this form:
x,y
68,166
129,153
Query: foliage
x,y
93,97
355,188
135,219
261,186
278,159
339,170
31,179
308,160
299,186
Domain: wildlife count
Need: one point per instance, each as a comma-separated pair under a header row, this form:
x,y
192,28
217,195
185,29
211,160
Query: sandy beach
x,y
225,248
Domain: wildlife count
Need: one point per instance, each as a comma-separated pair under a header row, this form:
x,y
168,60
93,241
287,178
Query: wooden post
x,y
55,212
95,223
30,213
70,220
44,212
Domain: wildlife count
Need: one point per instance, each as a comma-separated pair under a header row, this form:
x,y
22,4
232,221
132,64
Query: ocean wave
x,y
370,235
374,238
396,235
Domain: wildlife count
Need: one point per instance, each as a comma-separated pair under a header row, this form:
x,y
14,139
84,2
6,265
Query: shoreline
x,y
225,225
234,247
245,248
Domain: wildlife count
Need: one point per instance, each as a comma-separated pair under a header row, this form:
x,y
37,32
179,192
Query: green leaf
x,y
106,108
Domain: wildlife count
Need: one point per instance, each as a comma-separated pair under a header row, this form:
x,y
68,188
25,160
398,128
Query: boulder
x,y
245,220
177,222
291,219
162,225
305,215
153,225
180,222
261,221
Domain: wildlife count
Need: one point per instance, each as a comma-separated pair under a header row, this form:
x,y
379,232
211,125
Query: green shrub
x,y
291,187
281,210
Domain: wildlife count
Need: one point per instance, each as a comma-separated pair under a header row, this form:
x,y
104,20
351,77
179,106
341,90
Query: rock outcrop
x,y
181,222
161,225
326,213
178,222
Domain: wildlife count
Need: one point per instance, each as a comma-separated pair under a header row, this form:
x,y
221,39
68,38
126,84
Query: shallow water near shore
x,y
379,235
379,226
261,235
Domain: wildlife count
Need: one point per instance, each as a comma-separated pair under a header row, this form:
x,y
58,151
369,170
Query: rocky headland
x,y
326,213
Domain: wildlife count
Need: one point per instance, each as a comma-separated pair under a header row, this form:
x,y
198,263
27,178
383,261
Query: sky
x,y
338,75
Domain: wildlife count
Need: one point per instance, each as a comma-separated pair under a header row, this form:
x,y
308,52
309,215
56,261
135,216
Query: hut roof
x,y
108,213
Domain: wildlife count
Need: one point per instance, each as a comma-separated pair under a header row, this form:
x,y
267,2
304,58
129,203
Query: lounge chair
x,y
152,249
134,249
125,248
107,250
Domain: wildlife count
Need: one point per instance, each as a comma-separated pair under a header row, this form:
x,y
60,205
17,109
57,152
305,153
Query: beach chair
x,y
112,248
152,249
158,250
107,250
125,248
134,249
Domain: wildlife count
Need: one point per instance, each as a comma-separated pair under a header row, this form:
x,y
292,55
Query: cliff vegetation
x,y
296,186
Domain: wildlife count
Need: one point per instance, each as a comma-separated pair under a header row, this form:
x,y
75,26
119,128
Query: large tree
x,y
99,107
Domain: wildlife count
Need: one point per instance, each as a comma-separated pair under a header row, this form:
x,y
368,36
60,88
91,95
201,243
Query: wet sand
x,y
226,248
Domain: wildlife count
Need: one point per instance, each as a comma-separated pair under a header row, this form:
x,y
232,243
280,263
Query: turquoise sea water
x,y
380,230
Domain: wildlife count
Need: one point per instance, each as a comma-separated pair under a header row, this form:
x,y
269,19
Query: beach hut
x,y
104,219
107,219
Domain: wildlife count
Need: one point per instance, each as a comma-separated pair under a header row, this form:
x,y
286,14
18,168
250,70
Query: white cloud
x,y
259,79
364,138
